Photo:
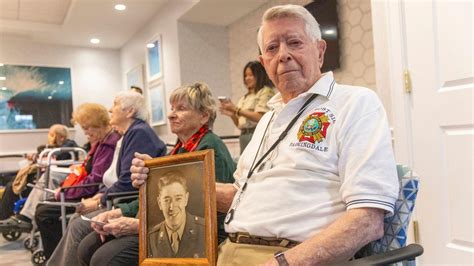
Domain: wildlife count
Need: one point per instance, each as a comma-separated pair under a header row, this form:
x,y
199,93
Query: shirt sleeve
x,y
129,209
366,163
224,165
263,96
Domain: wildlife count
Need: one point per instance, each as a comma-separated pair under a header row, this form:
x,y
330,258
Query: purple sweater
x,y
101,161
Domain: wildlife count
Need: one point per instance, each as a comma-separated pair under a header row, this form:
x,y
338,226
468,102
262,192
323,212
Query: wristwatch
x,y
280,257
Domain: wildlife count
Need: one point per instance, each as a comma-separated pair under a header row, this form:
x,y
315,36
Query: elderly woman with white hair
x,y
127,116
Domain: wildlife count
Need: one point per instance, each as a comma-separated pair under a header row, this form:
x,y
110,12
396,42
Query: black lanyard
x,y
283,134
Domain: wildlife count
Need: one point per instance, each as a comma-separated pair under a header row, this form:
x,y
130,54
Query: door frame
x,y
390,57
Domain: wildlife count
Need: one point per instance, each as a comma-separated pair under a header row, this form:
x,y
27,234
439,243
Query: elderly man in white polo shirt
x,y
321,193
319,175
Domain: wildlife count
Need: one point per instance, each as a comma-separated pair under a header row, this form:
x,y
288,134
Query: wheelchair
x,y
113,199
45,165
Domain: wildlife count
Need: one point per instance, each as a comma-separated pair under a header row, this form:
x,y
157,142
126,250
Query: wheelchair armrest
x,y
59,203
81,186
120,197
409,252
112,196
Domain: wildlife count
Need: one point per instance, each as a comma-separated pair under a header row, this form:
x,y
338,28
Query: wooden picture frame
x,y
155,247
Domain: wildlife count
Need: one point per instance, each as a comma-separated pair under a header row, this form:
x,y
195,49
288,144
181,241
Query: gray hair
x,y
133,99
199,97
291,11
60,129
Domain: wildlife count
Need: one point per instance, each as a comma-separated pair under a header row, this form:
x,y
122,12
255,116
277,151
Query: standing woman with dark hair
x,y
250,107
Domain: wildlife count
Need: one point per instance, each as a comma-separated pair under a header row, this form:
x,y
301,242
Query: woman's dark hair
x,y
260,75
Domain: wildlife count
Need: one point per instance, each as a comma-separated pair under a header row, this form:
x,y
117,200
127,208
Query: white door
x,y
438,53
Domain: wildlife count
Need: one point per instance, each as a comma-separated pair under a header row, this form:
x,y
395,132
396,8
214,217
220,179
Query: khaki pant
x,y
244,254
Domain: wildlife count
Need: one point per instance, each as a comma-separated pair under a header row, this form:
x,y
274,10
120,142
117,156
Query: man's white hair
x,y
291,11
133,99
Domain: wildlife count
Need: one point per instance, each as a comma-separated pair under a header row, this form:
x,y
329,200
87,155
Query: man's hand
x,y
138,169
122,226
270,262
224,196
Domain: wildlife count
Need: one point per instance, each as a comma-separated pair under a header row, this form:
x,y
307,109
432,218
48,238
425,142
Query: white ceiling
x,y
75,22
221,12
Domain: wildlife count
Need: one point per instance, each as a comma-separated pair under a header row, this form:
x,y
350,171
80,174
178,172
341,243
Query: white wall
x,y
204,56
95,77
165,22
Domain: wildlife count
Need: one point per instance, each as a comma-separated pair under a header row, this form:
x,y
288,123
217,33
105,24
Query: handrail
x,y
23,155
51,152
229,137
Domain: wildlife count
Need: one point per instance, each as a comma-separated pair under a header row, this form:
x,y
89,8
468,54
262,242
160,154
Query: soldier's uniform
x,y
191,245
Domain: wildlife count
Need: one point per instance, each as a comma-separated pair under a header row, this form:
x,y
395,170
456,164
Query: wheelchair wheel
x,y
11,235
30,243
38,257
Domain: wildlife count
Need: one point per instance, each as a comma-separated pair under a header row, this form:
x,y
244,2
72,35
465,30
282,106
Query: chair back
x,y
396,226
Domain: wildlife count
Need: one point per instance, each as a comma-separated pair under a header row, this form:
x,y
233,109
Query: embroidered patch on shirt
x,y
314,127
313,130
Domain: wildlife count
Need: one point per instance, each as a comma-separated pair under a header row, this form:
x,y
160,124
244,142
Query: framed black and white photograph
x,y
178,210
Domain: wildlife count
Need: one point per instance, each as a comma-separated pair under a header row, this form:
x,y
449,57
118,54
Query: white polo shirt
x,y
337,156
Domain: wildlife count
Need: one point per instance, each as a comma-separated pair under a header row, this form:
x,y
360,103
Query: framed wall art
x,y
34,97
135,77
156,94
178,211
154,59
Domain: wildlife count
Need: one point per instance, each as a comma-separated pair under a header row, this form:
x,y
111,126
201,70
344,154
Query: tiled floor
x,y
13,253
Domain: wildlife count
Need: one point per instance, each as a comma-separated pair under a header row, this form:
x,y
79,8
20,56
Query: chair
x,y
391,248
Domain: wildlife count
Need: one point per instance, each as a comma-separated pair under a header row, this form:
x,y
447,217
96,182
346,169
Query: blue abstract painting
x,y
157,103
34,97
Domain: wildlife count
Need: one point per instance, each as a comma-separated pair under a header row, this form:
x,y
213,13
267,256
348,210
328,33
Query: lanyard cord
x,y
280,138
230,214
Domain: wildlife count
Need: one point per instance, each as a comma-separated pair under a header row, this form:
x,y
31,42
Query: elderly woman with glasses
x,y
192,115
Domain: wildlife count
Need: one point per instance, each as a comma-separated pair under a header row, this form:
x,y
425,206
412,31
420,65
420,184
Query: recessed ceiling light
x,y
3,78
95,41
4,88
1,64
61,82
120,7
150,45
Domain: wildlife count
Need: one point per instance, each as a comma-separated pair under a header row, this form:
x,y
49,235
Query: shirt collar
x,y
324,87
180,231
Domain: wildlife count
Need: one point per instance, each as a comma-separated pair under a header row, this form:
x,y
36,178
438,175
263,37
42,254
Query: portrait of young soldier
x,y
181,234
